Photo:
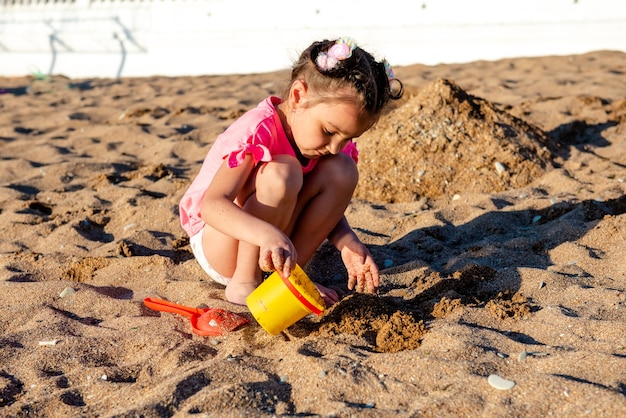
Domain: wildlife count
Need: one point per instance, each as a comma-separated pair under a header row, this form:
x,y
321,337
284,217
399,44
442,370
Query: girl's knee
x,y
280,178
340,170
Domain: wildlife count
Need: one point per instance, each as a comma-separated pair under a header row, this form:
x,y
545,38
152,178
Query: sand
x,y
493,197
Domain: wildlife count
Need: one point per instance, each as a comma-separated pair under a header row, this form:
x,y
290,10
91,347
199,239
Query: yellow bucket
x,y
279,303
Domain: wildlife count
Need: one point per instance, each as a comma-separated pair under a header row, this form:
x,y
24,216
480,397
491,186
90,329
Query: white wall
x,y
108,38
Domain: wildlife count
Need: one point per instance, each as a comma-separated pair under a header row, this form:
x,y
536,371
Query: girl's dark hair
x,y
360,71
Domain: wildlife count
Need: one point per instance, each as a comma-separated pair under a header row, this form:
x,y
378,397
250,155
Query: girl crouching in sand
x,y
276,183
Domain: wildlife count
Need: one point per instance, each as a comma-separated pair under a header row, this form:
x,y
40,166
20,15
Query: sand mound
x,y
527,284
445,141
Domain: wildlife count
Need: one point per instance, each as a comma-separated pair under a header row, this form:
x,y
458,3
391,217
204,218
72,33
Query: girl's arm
x,y
362,270
220,212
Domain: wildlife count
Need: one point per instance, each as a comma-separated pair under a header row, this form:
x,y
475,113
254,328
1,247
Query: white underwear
x,y
198,251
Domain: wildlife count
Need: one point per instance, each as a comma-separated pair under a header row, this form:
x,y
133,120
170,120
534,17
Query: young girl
x,y
276,183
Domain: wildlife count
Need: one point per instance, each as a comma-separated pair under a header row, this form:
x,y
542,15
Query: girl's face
x,y
326,127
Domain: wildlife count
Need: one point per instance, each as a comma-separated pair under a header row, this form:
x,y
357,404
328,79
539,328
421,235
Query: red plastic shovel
x,y
204,321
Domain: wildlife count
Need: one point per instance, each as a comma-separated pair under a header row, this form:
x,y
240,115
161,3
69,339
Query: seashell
x,y
66,292
500,383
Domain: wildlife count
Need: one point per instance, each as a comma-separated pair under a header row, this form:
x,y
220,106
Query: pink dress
x,y
258,132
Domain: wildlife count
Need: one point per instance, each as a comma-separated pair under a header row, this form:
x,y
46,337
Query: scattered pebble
x,y
130,225
456,197
500,383
388,263
104,377
522,356
536,219
500,168
78,116
283,379
502,355
66,292
369,405
541,284
323,374
566,392
48,342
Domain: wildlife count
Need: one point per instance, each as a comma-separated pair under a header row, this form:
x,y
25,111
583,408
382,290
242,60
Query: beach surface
x,y
492,196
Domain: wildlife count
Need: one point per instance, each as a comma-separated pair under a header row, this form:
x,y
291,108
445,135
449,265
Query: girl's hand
x,y
277,254
362,270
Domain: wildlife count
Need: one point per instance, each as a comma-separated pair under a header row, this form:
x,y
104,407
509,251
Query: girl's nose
x,y
334,147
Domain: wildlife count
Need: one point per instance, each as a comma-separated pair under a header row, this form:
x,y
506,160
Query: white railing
x,y
107,38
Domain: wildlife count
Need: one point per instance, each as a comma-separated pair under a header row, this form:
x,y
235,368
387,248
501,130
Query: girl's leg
x,y
325,195
271,194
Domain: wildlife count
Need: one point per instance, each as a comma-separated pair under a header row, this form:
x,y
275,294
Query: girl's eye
x,y
328,133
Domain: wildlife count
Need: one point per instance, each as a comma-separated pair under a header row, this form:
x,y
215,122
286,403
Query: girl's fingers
x,y
351,281
265,261
271,261
360,283
291,258
278,259
288,266
371,287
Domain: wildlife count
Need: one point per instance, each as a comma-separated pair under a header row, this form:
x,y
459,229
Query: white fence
x,y
109,38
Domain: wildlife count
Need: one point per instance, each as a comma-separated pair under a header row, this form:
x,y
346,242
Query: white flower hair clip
x,y
341,50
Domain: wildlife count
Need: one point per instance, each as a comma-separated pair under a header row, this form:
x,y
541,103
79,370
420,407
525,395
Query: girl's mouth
x,y
314,154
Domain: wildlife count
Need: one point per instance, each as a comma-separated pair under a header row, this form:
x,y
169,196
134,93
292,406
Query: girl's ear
x,y
297,93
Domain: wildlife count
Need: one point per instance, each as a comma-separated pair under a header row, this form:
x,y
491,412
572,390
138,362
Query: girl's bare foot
x,y
237,292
